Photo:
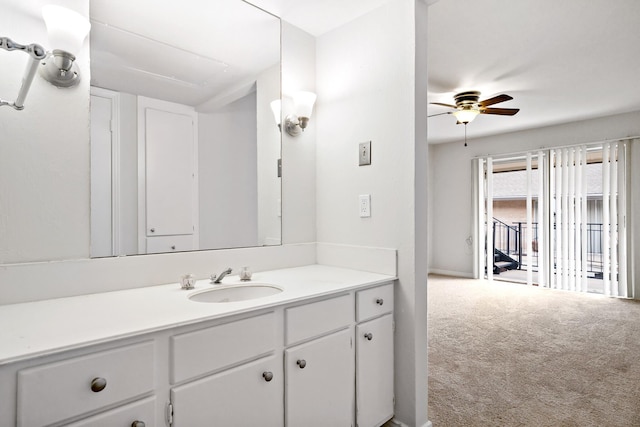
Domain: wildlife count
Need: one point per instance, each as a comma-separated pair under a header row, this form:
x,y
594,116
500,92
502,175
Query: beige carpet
x,y
503,354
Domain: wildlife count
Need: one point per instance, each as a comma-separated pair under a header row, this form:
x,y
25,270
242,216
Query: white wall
x,y
451,208
371,87
227,156
298,153
44,150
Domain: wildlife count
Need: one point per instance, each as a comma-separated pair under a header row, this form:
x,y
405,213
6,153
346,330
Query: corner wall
x,y
371,80
227,154
451,209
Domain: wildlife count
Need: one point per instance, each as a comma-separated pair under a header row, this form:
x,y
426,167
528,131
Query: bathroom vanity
x,y
319,353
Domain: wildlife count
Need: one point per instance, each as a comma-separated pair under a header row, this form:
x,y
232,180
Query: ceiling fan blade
x,y
444,105
500,111
440,114
494,100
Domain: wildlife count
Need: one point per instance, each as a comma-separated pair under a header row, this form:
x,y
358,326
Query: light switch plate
x,y
364,153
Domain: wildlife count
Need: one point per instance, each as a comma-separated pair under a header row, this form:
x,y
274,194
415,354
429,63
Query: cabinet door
x,y
170,173
248,395
319,387
374,371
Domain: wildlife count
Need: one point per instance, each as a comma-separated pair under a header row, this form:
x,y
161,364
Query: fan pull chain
x,y
465,134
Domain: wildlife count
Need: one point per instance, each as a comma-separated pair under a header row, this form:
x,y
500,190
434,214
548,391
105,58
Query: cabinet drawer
x,y
317,318
57,391
374,302
143,411
178,243
207,350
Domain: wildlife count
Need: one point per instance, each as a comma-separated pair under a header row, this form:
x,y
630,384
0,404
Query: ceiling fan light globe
x,y
466,116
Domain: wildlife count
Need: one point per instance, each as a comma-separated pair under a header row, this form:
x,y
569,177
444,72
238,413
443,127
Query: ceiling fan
x,y
468,106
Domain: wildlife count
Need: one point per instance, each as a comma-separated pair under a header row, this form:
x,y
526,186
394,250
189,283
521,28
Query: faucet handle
x,y
213,278
187,281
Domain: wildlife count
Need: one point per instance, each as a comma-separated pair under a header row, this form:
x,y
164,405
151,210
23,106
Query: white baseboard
x,y
451,273
395,423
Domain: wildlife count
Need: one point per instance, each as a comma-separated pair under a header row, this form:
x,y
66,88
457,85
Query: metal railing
x,y
512,240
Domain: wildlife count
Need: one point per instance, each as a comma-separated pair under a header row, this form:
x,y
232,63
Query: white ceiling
x,y
318,17
204,55
561,60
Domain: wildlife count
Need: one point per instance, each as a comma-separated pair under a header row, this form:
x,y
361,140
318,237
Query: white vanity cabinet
x,y
374,356
325,360
319,388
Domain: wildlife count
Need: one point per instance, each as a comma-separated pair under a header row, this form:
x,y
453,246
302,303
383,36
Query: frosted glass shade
x,y
276,107
66,28
466,116
303,103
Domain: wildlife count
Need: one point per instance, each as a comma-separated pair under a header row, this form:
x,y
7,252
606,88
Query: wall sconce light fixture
x,y
36,54
303,102
67,30
276,107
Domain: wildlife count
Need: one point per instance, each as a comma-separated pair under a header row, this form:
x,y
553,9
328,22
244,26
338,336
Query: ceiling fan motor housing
x,y
467,100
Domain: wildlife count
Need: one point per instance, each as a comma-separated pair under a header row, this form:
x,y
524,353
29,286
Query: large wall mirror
x,y
184,145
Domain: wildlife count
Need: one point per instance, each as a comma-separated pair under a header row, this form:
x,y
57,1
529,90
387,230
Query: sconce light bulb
x,y
276,108
303,103
66,28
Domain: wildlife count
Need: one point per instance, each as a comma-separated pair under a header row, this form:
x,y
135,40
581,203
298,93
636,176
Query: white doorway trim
x,y
114,97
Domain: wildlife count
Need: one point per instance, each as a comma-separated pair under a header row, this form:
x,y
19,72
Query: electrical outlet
x,y
364,153
365,205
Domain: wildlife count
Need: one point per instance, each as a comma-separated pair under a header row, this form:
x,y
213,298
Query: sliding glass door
x,y
554,218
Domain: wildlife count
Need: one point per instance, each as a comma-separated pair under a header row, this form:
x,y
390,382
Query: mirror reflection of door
x,y
168,176
103,238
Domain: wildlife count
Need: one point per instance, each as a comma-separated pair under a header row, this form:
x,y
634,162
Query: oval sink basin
x,y
234,293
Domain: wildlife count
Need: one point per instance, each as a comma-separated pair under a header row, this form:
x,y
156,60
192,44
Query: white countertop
x,y
45,327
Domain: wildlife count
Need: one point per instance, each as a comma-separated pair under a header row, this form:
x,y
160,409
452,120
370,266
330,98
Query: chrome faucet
x,y
217,279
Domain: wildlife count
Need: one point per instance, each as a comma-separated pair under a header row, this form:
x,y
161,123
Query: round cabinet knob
x,y
302,363
98,384
153,230
138,424
379,301
268,376
368,336
173,247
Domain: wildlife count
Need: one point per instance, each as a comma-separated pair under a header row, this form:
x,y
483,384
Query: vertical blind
x,y
569,241
567,247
